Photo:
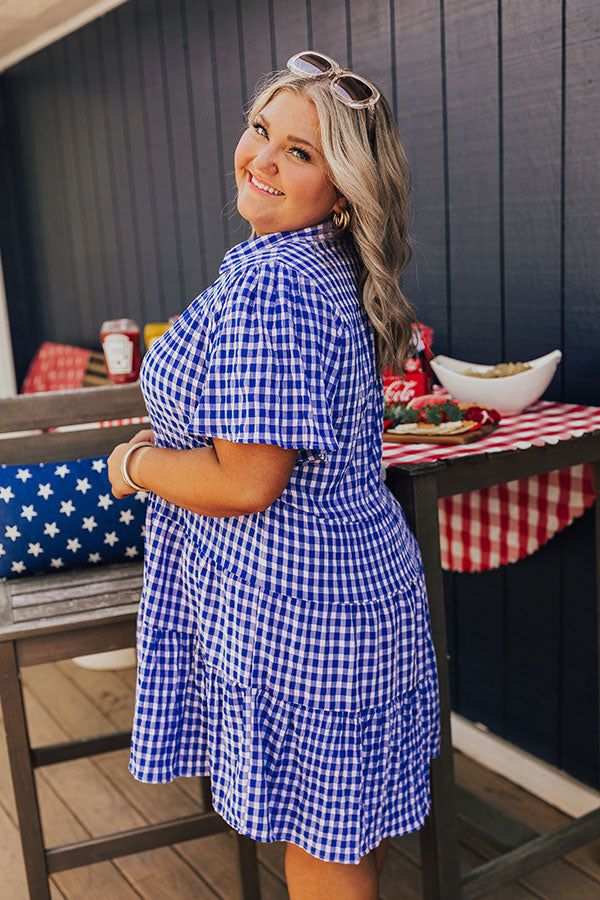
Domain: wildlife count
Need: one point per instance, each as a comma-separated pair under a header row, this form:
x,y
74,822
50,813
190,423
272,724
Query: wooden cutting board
x,y
465,438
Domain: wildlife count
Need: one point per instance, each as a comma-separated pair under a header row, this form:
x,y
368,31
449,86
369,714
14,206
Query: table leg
x,y
417,495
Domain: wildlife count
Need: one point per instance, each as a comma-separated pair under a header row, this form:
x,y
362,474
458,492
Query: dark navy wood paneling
x,y
532,652
257,38
451,636
119,193
578,746
330,29
372,42
182,147
98,137
229,75
157,132
209,181
291,20
581,371
132,296
475,296
581,207
471,39
531,167
139,156
85,187
419,92
79,252
51,280
480,647
14,231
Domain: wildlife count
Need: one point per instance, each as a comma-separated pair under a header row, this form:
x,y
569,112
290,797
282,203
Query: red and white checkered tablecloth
x,y
485,529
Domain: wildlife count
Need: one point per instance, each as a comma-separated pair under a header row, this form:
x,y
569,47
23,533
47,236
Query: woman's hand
x,y
119,488
146,435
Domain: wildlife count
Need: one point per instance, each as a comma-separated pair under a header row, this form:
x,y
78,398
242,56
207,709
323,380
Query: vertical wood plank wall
x,y
117,187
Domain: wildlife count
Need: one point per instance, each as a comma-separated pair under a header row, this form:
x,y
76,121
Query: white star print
x,y
104,501
110,538
61,471
45,491
50,528
83,485
142,496
12,532
143,531
35,550
89,523
6,494
73,545
98,465
23,475
17,567
131,552
57,563
94,557
67,507
28,512
2,550
126,516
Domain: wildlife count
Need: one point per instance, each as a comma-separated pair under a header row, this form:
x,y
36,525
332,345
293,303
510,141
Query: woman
x,y
283,636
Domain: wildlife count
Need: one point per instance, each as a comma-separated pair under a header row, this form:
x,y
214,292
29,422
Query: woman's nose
x,y
265,161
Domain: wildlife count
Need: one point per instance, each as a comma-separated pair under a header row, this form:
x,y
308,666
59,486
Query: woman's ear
x,y
340,203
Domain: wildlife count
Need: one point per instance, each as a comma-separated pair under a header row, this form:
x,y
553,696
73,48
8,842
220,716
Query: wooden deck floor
x,y
96,796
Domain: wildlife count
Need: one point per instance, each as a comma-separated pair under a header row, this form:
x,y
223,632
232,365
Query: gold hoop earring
x,y
341,219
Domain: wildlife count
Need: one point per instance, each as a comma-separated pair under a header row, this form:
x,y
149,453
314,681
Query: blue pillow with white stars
x,y
57,516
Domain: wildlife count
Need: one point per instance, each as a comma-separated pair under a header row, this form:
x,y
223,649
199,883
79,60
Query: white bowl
x,y
510,395
109,660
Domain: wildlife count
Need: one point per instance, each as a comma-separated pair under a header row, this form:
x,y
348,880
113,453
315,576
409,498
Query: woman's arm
x,y
228,479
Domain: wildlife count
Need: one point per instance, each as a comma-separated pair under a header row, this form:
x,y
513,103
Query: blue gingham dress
x,y
286,653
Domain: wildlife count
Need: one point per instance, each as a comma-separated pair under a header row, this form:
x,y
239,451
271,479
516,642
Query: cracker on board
x,y
442,428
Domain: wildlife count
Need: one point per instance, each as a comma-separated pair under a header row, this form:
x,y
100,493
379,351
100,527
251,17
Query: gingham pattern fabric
x,y
286,653
485,529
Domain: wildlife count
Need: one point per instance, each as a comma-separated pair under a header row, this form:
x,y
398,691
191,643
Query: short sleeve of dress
x,y
271,363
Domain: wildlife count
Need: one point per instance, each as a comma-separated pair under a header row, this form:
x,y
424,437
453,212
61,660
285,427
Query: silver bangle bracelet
x,y
124,473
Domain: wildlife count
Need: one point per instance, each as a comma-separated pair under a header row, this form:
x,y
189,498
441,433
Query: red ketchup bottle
x,y
121,345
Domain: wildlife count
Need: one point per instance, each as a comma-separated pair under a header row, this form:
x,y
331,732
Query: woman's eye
x,y
299,153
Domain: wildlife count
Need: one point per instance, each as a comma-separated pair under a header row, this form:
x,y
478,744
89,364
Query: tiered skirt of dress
x,y
315,720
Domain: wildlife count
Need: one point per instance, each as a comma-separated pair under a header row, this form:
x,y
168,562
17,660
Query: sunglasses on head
x,y
351,89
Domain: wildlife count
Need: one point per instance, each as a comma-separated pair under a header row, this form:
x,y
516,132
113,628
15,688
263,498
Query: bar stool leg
x,y
19,754
247,857
417,495
248,867
206,793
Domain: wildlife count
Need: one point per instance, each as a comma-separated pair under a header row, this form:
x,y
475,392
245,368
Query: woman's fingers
x,y
119,488
146,435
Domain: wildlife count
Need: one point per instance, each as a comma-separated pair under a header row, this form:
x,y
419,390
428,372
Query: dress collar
x,y
247,249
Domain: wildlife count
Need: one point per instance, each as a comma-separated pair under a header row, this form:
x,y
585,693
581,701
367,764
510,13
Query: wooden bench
x,y
56,616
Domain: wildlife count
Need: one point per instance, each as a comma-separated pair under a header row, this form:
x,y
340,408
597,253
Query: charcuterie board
x,y
465,438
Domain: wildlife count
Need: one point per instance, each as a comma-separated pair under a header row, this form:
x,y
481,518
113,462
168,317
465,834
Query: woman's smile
x,y
263,187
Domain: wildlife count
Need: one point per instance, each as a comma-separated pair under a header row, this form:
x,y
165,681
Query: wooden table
x,y
418,488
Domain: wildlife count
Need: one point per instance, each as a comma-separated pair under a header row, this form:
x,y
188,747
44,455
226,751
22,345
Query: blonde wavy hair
x,y
367,165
